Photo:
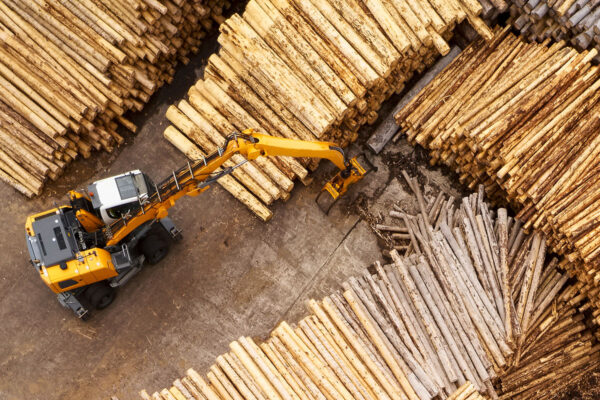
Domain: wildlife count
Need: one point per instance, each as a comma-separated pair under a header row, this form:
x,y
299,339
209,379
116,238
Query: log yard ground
x,y
466,265
232,274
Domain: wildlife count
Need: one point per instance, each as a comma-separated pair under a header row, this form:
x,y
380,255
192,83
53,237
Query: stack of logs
x,y
70,69
311,70
523,120
466,392
576,21
475,300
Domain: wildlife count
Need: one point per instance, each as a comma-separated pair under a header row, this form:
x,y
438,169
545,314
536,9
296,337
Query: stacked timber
x,y
311,70
523,120
475,300
69,70
574,21
466,392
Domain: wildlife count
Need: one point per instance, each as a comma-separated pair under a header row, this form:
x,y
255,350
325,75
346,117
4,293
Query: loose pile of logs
x,y
523,120
474,300
575,21
70,69
311,70
545,343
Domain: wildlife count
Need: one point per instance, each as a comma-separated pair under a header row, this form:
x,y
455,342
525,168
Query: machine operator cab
x,y
120,195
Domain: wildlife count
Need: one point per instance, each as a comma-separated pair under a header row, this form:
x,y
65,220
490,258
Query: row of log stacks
x,y
476,300
575,21
311,70
523,120
69,70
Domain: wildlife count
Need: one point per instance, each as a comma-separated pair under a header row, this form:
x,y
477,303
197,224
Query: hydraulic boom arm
x,y
195,177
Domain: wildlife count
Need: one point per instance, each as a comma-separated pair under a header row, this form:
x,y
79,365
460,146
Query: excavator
x,y
86,249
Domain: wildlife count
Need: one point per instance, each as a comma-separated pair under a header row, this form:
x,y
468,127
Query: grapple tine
x,y
325,201
339,184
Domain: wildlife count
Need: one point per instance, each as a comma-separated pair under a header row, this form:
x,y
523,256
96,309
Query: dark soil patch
x,y
586,388
412,163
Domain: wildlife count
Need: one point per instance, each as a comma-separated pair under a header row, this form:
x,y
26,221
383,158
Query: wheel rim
x,y
105,300
159,254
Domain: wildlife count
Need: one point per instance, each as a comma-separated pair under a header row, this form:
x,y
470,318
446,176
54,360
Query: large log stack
x,y
523,120
575,21
69,70
312,70
475,300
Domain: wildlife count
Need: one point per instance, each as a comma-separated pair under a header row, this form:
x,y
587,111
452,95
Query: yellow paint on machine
x,y
93,266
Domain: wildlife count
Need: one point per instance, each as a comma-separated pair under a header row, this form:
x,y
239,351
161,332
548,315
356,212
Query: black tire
x,y
100,295
154,248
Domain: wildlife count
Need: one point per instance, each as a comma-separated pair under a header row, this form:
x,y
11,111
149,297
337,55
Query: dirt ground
x,y
232,275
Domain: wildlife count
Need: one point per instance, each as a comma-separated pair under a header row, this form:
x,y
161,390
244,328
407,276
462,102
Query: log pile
x,y
466,392
311,70
543,347
574,21
69,70
529,133
474,300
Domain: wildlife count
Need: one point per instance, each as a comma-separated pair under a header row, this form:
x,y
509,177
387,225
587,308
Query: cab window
x,y
126,187
140,184
119,211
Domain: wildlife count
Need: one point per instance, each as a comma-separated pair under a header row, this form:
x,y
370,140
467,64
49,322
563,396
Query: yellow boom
x,y
195,177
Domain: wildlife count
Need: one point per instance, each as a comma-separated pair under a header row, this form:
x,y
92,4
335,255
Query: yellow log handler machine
x,y
86,249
